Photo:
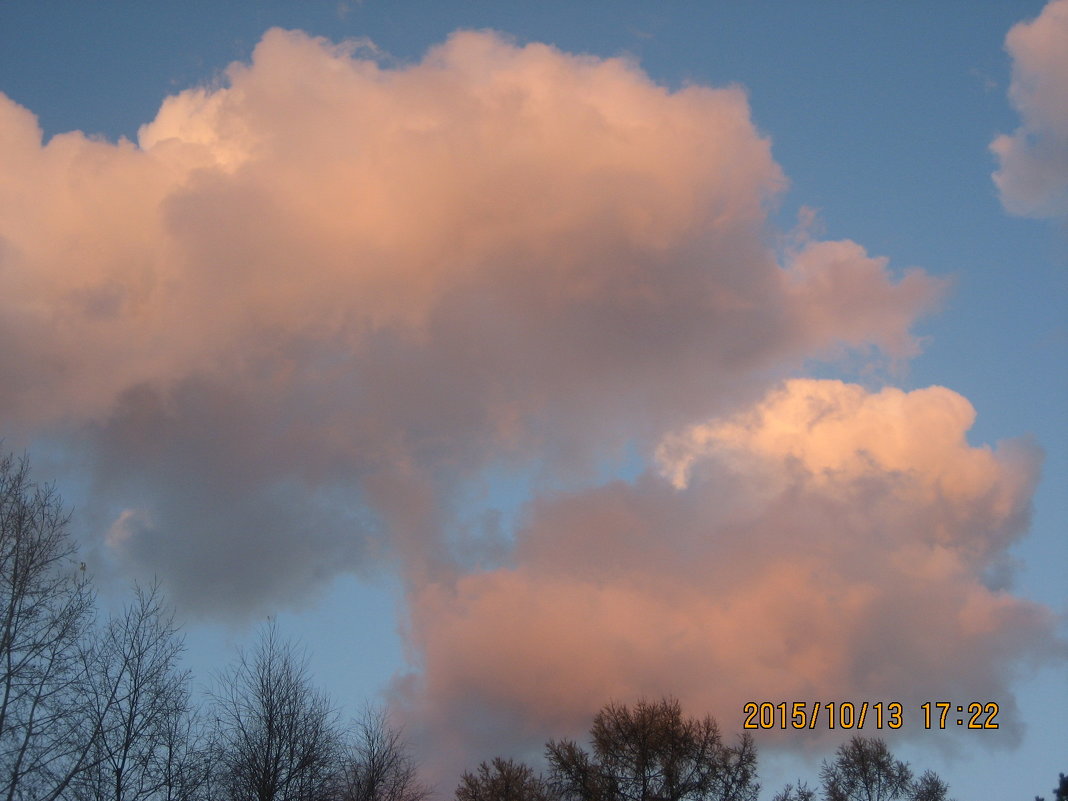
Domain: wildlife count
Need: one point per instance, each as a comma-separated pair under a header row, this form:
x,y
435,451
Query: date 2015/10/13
x,y
854,715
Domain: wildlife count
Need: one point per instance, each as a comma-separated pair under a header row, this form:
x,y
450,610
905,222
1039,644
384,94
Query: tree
x,y
865,770
1060,792
929,787
652,753
379,767
186,754
277,736
504,780
802,792
47,725
146,741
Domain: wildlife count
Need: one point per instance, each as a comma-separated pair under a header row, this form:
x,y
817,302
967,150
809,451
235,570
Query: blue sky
x,y
880,119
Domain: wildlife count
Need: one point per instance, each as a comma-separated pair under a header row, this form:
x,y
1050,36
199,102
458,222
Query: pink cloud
x,y
830,543
1033,174
292,327
316,298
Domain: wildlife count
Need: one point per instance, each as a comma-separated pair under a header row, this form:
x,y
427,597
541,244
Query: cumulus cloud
x,y
312,301
1033,174
828,543
291,330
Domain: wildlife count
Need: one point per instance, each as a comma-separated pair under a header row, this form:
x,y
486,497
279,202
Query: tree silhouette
x,y
800,792
504,780
653,753
378,766
277,737
48,723
864,770
1060,792
145,748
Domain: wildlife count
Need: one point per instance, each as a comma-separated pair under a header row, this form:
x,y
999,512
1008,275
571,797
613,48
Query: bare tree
x,y
802,792
653,753
186,758
864,770
277,736
504,780
379,766
47,726
929,787
142,701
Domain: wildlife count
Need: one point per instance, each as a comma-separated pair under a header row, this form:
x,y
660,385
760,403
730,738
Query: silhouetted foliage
x,y
504,780
653,753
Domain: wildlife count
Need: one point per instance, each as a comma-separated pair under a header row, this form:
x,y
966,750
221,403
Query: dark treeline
x,y
95,710
651,752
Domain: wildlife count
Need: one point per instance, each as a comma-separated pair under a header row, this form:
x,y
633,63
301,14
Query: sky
x,y
518,358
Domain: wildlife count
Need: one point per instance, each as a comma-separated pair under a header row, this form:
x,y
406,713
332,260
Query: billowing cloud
x,y
295,328
311,302
829,543
1033,177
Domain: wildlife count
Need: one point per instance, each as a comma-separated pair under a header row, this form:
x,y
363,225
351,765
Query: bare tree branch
x,y
143,708
378,766
277,737
47,724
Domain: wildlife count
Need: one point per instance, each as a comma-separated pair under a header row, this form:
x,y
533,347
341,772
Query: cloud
x,y
1033,174
296,328
829,543
317,299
